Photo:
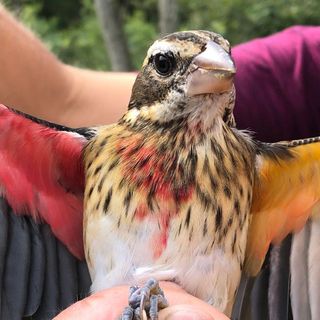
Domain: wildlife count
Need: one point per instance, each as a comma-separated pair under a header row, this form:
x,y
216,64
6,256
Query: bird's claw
x,y
149,298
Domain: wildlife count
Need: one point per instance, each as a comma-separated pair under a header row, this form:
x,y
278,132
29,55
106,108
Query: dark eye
x,y
163,63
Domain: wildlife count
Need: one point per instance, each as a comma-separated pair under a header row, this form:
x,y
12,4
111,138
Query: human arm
x,y
34,81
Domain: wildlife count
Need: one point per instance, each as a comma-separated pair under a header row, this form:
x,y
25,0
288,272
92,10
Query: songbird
x,y
173,191
169,188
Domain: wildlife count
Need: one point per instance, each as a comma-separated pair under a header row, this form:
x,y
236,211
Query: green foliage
x,y
241,20
71,30
140,34
79,43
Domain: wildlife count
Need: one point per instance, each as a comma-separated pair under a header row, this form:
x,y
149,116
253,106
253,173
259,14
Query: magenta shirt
x,y
278,84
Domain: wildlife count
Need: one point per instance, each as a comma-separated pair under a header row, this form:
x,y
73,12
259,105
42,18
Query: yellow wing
x,y
287,187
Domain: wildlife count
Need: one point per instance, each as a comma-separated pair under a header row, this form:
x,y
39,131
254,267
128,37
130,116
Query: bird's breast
x,y
167,204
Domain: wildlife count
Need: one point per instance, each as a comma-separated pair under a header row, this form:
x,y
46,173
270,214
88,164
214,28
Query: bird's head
x,y
185,75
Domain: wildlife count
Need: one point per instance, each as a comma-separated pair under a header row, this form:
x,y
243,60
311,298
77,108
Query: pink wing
x,y
41,174
41,195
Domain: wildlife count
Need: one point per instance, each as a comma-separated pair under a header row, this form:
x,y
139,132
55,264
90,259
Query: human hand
x,y
108,305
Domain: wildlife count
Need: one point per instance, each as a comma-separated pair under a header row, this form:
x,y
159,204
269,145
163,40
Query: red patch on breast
x,y
154,173
161,238
149,170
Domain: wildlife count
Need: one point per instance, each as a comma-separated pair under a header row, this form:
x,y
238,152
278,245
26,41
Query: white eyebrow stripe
x,y
161,46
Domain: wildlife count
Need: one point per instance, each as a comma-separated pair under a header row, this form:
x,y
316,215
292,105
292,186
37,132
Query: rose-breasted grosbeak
x,y
169,188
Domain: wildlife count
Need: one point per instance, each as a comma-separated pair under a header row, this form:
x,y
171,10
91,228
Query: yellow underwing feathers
x,y
285,191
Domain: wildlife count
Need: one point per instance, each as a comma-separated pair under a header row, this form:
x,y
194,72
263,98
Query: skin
x,y
37,83
182,306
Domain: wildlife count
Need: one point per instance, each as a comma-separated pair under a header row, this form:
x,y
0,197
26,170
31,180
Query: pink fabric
x,y
278,84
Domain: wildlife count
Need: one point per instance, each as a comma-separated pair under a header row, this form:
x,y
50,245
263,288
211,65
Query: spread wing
x,y
286,190
41,195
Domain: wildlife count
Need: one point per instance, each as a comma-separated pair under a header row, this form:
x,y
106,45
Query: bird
x,y
162,170
173,190
181,185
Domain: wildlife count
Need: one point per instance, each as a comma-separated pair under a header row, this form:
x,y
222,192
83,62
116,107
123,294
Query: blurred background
x,y
115,34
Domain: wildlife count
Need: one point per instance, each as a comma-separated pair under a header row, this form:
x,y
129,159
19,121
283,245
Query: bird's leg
x,y
127,314
149,298
157,302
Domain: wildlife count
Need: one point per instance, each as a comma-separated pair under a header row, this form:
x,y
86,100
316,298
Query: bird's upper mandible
x,y
211,71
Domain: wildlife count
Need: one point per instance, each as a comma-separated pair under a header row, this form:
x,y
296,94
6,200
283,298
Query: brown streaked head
x,y
182,72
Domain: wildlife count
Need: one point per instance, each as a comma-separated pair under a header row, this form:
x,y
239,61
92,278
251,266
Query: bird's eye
x,y
163,63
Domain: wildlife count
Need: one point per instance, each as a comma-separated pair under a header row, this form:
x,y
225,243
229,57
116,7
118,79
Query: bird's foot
x,y
149,299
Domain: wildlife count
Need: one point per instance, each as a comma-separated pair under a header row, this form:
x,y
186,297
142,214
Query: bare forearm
x,y
31,78
97,97
34,81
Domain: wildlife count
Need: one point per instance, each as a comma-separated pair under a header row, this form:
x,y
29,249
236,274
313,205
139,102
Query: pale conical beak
x,y
211,71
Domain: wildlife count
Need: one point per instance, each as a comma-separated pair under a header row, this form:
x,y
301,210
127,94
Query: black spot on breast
x,y
121,183
213,182
193,159
97,170
203,197
224,232
234,243
150,198
205,227
103,142
237,207
206,167
127,200
241,191
221,169
249,197
113,164
98,152
242,222
234,161
101,184
218,217
163,147
217,150
227,191
90,191
179,228
107,201
143,162
187,220
89,164
191,233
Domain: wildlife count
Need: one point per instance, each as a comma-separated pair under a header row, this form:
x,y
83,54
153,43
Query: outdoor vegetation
x,y
79,31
